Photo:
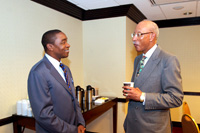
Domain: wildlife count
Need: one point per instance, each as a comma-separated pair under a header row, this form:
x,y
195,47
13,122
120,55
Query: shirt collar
x,y
53,61
150,52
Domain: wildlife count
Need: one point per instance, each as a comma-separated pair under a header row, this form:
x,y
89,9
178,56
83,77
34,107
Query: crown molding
x,y
125,10
72,10
178,22
63,6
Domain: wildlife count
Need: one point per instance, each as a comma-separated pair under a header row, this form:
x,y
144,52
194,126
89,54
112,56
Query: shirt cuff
x,y
142,98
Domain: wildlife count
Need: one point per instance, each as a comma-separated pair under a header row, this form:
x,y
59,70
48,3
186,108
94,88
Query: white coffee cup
x,y
29,112
19,107
131,84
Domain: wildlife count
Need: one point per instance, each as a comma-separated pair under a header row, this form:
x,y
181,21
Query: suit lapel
x,y
148,69
56,75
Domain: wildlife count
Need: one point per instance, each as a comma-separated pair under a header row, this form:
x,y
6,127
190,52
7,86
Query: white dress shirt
x,y
149,53
56,64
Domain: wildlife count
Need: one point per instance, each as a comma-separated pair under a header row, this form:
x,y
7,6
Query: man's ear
x,y
50,47
152,37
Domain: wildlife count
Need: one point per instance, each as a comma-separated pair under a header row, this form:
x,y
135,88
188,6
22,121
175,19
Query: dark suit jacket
x,y
54,106
161,80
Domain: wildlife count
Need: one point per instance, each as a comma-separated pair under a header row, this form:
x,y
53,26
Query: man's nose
x,y
67,45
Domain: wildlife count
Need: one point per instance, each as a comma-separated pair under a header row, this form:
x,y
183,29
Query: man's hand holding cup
x,y
127,87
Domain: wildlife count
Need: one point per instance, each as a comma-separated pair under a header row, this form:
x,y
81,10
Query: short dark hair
x,y
49,37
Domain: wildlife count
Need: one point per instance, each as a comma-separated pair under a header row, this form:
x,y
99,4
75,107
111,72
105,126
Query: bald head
x,y
145,36
151,26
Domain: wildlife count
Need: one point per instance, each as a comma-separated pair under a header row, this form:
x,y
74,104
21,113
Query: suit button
x,y
136,107
135,119
72,99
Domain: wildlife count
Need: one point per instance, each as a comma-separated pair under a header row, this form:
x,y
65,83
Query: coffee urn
x,y
89,93
79,95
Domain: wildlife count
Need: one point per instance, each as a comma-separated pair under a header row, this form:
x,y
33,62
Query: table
x,y
90,113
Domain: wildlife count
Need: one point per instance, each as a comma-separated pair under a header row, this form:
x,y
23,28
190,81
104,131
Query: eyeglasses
x,y
139,34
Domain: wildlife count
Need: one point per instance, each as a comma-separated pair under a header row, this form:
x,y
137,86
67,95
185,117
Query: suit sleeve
x,y
171,87
41,102
81,120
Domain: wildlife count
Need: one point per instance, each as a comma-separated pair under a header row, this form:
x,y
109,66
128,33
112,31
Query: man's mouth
x,y
135,43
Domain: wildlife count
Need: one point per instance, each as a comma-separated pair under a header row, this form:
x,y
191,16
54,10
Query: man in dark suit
x,y
157,84
51,92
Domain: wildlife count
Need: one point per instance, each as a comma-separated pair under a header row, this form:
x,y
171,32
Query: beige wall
x,y
104,47
22,24
130,49
101,55
104,54
108,60
184,43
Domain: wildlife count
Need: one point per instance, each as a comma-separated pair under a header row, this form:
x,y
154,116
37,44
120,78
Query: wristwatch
x,y
142,97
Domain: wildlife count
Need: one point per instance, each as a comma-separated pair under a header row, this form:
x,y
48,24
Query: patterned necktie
x,y
141,65
65,74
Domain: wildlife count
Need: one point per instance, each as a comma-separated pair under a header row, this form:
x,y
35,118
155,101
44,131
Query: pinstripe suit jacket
x,y
161,80
54,106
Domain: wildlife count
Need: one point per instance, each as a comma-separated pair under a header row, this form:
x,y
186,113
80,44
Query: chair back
x,y
189,125
186,109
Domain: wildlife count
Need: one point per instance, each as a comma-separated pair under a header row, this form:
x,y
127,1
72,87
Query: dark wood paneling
x,y
70,9
126,10
106,12
135,14
178,22
63,6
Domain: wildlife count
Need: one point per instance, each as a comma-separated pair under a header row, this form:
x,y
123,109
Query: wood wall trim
x,y
134,14
70,9
63,6
6,120
106,12
192,93
176,124
9,120
125,10
179,124
124,100
178,22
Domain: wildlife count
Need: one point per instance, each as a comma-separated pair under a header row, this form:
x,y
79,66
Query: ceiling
x,y
151,9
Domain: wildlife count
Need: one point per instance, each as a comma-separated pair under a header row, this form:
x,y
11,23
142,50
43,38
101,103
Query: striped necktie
x,y
141,65
66,75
